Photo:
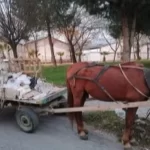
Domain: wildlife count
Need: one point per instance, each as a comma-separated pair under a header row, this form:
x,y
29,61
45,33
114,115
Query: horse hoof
x,y
127,146
83,136
133,142
86,131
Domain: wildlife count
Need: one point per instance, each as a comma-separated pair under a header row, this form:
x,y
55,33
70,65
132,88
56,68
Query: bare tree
x,y
138,38
69,33
114,49
81,40
12,29
77,30
35,36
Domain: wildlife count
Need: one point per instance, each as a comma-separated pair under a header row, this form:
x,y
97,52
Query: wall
x,y
44,49
94,54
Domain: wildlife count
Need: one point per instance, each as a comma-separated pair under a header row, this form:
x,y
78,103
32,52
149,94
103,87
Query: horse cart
x,y
30,95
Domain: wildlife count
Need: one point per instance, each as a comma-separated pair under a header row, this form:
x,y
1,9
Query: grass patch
x,y
56,75
146,63
107,120
110,122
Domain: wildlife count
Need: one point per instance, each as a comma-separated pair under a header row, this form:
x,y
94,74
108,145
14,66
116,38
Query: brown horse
x,y
125,82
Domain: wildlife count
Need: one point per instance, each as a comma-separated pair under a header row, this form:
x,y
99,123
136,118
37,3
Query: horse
x,y
125,82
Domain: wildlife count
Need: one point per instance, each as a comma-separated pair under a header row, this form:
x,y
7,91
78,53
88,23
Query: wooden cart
x,y
28,110
31,103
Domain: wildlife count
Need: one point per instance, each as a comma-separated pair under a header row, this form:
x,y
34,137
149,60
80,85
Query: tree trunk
x,y
126,43
60,59
138,47
3,54
72,52
132,32
36,50
14,49
80,54
115,52
8,54
79,57
70,55
104,58
53,59
147,51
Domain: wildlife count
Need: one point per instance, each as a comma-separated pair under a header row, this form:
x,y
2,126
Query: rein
x,y
104,69
131,83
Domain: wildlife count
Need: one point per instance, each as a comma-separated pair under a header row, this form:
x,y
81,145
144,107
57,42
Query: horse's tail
x,y
70,102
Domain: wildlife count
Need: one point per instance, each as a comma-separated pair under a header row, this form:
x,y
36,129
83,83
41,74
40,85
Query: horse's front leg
x,y
127,135
83,133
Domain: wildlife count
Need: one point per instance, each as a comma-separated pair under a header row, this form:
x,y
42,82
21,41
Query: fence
x,y
27,66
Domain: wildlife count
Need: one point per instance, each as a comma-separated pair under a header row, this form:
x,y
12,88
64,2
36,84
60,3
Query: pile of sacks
x,y
22,84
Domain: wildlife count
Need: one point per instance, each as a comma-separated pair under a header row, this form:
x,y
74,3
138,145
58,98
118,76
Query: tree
x,y
7,48
124,12
32,53
12,28
50,10
82,39
36,23
68,27
114,49
148,50
2,50
45,16
60,56
77,28
104,55
35,36
137,38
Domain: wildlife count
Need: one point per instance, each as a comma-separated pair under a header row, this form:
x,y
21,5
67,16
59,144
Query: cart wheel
x,y
64,102
27,119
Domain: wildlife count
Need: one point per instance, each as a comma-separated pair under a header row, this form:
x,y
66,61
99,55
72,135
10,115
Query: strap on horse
x,y
95,80
104,69
131,83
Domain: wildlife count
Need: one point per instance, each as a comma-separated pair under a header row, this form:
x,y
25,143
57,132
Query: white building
x,y
94,53
91,52
43,49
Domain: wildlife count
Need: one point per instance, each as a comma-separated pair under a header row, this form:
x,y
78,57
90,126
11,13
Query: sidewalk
x,y
141,111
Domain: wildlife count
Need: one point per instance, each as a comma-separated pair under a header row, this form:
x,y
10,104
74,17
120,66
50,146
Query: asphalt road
x,y
54,133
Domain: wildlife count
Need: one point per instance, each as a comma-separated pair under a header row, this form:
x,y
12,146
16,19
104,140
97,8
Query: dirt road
x,y
54,133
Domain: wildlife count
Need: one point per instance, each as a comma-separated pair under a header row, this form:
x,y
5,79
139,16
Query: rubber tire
x,y
32,117
63,105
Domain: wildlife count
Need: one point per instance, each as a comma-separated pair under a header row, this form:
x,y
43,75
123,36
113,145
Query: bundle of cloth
x,y
18,84
17,80
23,84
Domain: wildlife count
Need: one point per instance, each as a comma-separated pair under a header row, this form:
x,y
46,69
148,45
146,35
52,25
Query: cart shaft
x,y
102,107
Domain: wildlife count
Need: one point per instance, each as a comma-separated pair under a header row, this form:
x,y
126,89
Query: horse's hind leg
x,y
127,135
85,95
79,101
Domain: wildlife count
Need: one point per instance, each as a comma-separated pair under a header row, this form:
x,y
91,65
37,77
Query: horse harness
x,y
103,70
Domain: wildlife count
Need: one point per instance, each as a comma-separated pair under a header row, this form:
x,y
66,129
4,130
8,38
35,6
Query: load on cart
x,y
27,92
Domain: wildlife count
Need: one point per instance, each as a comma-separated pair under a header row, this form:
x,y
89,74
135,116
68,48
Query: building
x,y
96,53
93,51
43,48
